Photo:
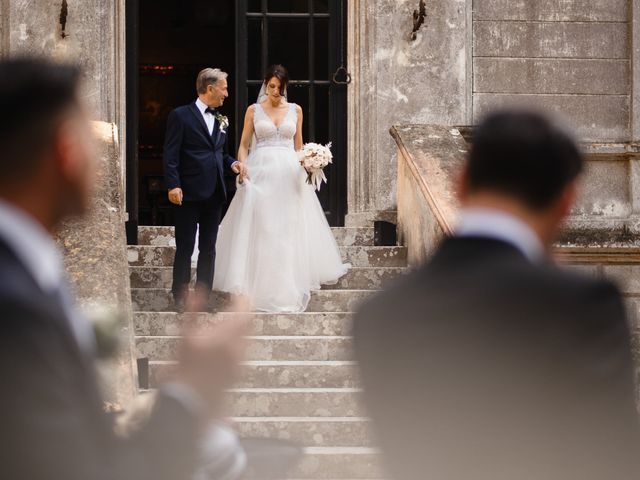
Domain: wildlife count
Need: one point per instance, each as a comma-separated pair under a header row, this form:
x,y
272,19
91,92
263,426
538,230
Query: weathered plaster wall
x,y
84,31
96,262
606,189
90,33
571,57
635,72
3,27
402,81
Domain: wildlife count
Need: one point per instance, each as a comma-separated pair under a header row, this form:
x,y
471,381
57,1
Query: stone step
x,y
354,463
295,402
357,256
261,348
359,278
309,431
165,237
161,300
280,374
169,323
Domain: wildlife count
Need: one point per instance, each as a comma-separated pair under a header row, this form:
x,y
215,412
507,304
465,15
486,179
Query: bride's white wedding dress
x,y
274,244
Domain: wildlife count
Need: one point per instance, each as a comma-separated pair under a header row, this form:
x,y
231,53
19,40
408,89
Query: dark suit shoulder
x,y
180,111
15,281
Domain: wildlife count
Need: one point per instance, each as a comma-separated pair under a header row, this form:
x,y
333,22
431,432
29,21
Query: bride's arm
x,y
298,138
247,135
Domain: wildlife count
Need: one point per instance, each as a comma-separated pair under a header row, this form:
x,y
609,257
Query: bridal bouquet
x,y
314,157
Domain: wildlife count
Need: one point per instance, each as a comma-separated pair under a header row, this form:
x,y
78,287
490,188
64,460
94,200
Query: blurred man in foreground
x,y
52,423
489,363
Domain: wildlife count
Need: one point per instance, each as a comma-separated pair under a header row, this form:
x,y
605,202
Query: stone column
x,y
90,33
95,250
4,28
634,162
635,71
83,31
398,80
361,110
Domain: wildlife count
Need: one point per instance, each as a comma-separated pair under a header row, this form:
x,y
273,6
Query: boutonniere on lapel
x,y
223,121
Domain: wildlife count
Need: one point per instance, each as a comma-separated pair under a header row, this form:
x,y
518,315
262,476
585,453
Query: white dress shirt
x,y
209,119
39,254
499,225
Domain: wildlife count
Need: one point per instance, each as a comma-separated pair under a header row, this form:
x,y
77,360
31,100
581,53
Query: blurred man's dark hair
x,y
524,155
35,93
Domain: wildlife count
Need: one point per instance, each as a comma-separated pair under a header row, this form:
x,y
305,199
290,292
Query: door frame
x,y
132,117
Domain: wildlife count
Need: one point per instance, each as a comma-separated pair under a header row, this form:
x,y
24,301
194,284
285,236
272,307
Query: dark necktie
x,y
212,111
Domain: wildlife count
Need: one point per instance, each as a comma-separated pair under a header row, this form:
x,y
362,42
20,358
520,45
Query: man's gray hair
x,y
209,76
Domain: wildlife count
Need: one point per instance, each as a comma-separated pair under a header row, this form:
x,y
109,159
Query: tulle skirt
x,y
274,244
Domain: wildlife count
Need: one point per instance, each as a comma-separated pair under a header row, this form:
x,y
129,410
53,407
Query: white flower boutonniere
x,y
223,121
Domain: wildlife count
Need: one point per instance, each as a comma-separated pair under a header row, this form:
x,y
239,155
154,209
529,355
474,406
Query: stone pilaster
x,y
85,32
635,71
90,33
96,262
399,80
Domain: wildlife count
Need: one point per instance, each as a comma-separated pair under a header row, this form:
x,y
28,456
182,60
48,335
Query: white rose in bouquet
x,y
314,157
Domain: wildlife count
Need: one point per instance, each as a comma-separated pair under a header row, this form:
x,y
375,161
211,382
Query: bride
x,y
274,244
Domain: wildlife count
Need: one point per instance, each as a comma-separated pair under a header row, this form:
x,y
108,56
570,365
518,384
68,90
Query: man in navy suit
x,y
195,154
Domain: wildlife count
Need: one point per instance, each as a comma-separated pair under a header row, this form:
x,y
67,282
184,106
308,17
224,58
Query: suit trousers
x,y
207,214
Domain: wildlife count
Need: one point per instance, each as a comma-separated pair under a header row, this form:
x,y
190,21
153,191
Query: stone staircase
x,y
300,380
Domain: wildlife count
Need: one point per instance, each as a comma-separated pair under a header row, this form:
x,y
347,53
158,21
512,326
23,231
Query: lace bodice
x,y
268,135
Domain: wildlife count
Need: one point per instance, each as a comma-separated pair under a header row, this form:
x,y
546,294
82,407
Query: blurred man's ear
x,y
62,149
567,200
74,157
462,186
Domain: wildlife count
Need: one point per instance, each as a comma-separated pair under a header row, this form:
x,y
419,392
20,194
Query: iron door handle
x,y
347,76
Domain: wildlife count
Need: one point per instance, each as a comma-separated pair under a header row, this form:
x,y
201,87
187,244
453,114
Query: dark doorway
x,y
170,41
308,37
175,40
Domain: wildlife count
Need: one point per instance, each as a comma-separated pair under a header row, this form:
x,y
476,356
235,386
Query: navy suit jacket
x,y
482,362
51,409
194,160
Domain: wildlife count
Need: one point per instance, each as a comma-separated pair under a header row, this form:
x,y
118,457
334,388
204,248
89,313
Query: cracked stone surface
x,y
94,248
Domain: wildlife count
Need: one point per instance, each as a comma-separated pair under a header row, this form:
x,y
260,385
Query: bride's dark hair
x,y
279,72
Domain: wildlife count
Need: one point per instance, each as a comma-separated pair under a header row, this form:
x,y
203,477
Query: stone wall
x,y
570,57
95,251
579,58
90,33
84,31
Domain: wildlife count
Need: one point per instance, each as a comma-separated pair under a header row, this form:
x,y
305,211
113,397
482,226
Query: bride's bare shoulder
x,y
298,108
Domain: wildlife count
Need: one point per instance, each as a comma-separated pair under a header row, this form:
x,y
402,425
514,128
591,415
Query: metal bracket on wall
x,y
418,18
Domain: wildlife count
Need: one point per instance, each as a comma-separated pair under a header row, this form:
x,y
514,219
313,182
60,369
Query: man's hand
x,y
237,167
175,196
240,169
